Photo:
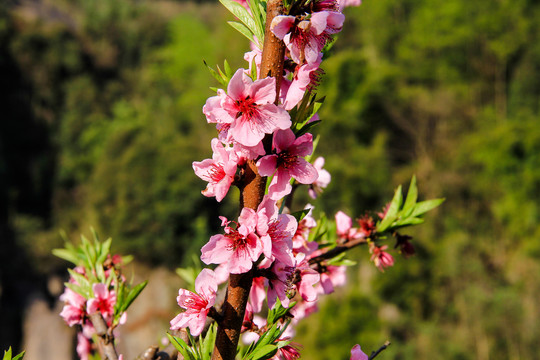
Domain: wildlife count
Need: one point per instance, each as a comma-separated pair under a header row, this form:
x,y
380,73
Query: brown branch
x,y
337,250
105,336
375,353
252,187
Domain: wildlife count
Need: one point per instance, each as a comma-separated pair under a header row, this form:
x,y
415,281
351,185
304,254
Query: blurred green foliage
x,y
102,120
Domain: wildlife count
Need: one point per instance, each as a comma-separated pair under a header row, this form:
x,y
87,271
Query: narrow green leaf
x,y
307,128
407,222
242,29
299,215
7,354
391,214
412,195
182,347
80,279
227,68
215,75
425,206
79,290
264,352
66,255
20,356
133,293
241,13
207,344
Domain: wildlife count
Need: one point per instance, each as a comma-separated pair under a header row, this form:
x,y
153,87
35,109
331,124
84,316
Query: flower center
x,y
237,240
275,232
246,107
195,302
286,160
216,173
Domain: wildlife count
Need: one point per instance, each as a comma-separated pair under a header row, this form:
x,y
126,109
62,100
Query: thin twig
x,y
375,353
337,250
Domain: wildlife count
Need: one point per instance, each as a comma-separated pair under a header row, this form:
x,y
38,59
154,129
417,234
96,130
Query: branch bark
x,y
106,339
252,188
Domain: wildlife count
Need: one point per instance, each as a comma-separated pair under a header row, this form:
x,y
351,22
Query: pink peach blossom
x,y
278,228
322,181
306,78
198,304
287,163
332,276
357,353
248,109
344,228
305,37
218,171
84,347
381,258
239,247
103,301
74,310
301,237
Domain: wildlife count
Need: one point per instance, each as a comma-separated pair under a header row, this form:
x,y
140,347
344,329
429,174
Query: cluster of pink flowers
x,y
254,124
77,308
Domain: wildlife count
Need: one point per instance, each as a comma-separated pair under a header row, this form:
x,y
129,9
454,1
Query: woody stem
x,y
252,187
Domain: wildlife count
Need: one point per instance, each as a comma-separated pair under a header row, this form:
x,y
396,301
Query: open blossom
x,y
239,247
322,181
287,163
305,37
247,109
306,78
332,276
357,353
74,310
84,347
103,301
287,352
198,304
344,227
301,237
381,258
218,171
308,279
278,228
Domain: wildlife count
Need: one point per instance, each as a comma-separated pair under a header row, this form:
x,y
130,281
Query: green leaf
x,y
307,128
264,352
66,255
392,212
133,293
299,215
20,356
79,290
216,76
182,347
7,354
241,13
412,195
425,206
80,279
207,344
407,222
341,261
259,16
242,29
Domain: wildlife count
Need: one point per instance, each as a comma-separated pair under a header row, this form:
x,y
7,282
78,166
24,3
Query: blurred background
x,y
101,120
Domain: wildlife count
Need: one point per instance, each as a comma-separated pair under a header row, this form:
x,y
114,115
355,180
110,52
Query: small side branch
x,y
375,353
106,338
337,250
